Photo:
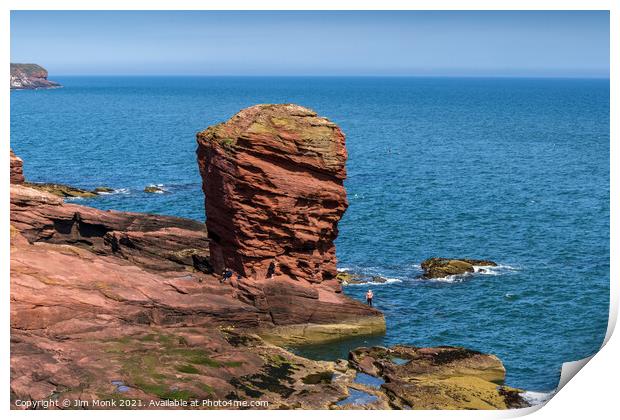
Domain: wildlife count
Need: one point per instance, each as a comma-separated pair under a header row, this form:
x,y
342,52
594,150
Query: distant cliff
x,y
30,76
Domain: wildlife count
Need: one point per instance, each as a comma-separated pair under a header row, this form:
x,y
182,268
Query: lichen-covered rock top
x,y
273,182
286,132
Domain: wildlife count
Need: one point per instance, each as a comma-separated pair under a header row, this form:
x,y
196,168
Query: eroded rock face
x,y
158,243
17,169
273,182
30,76
443,267
164,244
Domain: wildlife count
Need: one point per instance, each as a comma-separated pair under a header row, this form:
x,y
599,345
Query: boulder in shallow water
x,y
347,277
154,189
443,267
104,190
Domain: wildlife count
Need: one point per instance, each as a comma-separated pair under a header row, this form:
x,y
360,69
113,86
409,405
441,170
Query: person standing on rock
x,y
369,296
226,274
271,270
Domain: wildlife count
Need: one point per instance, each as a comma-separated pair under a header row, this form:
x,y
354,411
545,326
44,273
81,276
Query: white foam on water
x,y
489,270
388,280
161,188
114,192
449,279
537,398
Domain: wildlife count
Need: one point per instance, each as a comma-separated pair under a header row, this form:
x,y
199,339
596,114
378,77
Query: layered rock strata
x,y
273,182
158,243
284,310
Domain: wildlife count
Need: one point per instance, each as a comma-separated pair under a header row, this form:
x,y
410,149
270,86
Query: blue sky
x,y
467,43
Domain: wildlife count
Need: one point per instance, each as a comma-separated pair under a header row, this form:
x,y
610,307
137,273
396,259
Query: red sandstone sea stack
x,y
273,182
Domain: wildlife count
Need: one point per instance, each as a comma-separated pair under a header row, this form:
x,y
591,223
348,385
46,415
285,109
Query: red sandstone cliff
x,y
178,248
17,171
273,182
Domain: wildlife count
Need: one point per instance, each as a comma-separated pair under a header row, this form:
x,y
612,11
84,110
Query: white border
x,y
594,394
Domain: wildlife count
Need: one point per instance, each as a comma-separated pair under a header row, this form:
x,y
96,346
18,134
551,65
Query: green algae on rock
x,y
444,267
443,378
61,190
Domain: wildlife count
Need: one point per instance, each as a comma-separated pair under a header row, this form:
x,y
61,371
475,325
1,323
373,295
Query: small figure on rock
x,y
226,274
369,296
271,270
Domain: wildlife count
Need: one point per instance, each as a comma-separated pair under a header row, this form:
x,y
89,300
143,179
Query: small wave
x,y
158,188
116,191
537,398
374,283
449,279
489,270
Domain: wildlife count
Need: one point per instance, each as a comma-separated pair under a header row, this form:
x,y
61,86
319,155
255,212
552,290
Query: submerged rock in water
x,y
444,267
347,277
30,76
154,189
99,190
358,398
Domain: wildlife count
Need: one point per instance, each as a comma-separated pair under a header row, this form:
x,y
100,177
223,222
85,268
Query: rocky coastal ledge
x,y
30,76
109,305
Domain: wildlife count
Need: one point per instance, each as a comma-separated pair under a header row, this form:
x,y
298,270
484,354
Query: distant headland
x,y
30,76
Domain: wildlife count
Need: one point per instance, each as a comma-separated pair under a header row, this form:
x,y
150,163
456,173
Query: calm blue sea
x,y
513,170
